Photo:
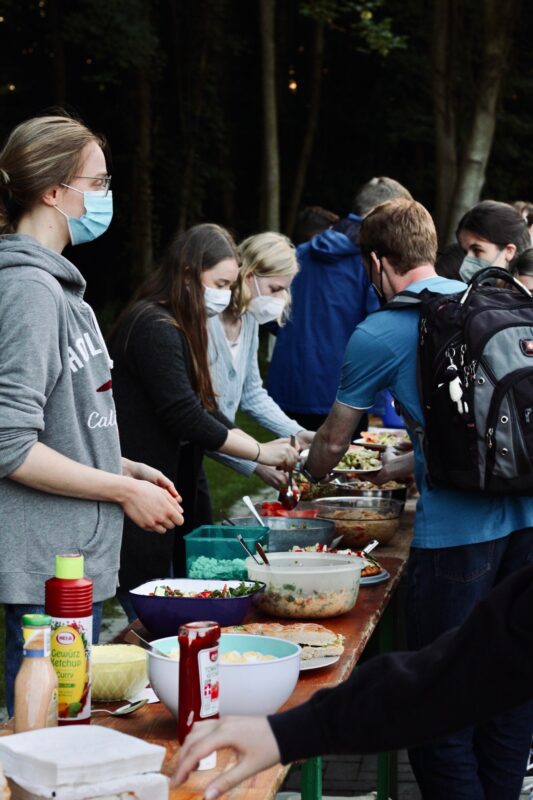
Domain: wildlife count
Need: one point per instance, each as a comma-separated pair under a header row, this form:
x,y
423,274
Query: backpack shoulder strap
x,y
404,299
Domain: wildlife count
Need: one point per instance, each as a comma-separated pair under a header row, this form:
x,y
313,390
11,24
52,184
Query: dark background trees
x,y
240,111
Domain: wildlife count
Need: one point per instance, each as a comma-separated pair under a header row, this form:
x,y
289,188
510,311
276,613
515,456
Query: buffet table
x,y
375,609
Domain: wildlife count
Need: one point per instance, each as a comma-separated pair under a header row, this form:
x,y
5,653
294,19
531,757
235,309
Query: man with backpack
x,y
465,541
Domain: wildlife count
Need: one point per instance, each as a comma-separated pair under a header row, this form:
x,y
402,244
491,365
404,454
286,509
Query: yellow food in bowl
x,y
248,657
118,672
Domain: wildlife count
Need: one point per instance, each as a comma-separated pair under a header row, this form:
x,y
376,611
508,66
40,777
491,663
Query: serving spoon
x,y
133,637
129,708
243,544
262,553
250,506
288,498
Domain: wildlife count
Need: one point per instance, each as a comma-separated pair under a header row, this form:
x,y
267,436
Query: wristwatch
x,y
311,478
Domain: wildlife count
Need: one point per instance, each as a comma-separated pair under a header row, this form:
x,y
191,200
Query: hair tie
x,y
4,176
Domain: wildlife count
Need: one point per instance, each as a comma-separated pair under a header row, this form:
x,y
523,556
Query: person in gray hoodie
x,y
63,484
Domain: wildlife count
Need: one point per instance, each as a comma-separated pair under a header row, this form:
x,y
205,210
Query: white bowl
x,y
248,689
307,585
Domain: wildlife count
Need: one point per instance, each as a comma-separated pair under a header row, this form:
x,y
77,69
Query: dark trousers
x,y
486,762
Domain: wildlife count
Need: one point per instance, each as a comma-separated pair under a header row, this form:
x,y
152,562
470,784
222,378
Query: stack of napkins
x,y
82,762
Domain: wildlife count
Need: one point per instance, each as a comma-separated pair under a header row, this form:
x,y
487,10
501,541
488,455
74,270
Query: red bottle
x,y
68,599
199,679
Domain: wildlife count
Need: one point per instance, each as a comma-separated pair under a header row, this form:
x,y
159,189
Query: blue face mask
x,y
96,219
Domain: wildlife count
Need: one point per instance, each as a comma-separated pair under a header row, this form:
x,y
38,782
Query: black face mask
x,y
379,289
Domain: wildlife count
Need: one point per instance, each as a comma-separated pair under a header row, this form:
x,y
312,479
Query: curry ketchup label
x,y
71,657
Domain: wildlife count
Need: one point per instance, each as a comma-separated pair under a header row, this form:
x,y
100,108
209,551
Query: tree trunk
x,y
141,231
60,76
497,32
310,128
271,182
444,112
191,95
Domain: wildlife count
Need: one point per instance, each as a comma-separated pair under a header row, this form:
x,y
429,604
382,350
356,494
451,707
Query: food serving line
x,y
375,609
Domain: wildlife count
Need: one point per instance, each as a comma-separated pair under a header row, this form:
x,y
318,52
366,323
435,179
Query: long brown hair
x,y
177,286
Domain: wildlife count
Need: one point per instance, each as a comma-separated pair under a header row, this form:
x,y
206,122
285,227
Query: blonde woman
x,y
63,484
261,294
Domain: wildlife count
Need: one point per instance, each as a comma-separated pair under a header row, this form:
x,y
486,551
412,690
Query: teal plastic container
x,y
213,552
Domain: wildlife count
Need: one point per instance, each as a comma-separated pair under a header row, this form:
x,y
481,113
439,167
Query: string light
x,y
11,87
293,86
88,61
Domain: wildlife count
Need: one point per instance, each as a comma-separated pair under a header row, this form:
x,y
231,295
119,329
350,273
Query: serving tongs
x,y
243,544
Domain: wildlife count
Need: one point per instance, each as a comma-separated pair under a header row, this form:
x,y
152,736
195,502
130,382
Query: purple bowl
x,y
162,616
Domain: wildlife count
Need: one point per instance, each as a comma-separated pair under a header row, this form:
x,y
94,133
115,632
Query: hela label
x,y
71,652
209,692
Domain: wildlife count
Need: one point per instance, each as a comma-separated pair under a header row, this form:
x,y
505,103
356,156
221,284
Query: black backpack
x,y
475,378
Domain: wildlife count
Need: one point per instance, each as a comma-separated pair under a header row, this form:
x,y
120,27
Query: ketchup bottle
x,y
199,679
68,599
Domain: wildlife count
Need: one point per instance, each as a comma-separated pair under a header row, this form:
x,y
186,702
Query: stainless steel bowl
x,y
287,532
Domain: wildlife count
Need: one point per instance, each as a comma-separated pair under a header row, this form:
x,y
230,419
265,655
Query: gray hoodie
x,y
55,388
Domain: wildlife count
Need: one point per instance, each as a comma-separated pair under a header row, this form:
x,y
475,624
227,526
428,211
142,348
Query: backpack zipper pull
x,y
489,438
423,327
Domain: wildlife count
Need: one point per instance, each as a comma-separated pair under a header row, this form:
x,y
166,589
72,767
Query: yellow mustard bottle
x,y
36,681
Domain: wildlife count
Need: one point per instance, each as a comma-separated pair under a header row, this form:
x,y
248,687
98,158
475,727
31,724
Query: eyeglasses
x,y
100,183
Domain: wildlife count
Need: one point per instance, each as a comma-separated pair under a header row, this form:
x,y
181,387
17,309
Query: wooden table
x,y
374,606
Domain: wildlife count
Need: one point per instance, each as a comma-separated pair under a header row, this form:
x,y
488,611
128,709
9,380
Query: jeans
x,y
13,654
486,762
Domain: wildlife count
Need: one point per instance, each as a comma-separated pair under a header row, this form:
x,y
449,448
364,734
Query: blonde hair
x,y
263,255
39,154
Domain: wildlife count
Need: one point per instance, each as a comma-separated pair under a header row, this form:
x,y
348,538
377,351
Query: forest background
x,y
242,111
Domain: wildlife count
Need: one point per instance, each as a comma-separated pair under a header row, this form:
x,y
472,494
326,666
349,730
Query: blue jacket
x,y
331,295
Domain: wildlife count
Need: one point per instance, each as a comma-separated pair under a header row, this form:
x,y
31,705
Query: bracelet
x,y
258,452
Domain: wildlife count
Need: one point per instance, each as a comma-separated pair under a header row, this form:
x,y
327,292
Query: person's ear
x,y
50,197
375,262
509,252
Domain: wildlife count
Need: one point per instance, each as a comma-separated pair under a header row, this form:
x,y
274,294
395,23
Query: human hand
x,y
151,507
278,453
305,438
271,476
395,467
250,737
143,472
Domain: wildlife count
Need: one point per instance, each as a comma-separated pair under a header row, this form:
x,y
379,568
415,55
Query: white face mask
x,y
265,308
216,300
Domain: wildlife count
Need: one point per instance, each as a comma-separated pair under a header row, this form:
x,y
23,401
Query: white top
x,y
235,347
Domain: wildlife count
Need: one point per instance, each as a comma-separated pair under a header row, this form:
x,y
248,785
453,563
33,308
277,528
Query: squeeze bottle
x,y
68,599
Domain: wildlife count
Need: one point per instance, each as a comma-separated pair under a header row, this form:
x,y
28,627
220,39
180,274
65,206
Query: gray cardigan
x,y
240,386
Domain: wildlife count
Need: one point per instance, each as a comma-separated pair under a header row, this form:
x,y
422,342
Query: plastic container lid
x,y
69,567
36,620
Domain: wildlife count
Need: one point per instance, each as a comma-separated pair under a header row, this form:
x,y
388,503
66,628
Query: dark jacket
x,y
158,411
331,295
407,699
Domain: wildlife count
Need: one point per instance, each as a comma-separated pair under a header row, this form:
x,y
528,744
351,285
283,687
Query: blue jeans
x,y
487,762
13,655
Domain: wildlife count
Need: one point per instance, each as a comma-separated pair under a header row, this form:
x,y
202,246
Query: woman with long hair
x,y
491,234
166,404
63,484
261,294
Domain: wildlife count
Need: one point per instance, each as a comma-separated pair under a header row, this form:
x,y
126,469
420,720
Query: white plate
x,y
371,445
315,663
381,577
355,470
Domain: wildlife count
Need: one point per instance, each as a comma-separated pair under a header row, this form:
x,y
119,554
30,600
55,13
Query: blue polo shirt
x,y
382,354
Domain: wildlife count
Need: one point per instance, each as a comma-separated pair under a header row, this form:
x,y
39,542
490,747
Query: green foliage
x,y
360,18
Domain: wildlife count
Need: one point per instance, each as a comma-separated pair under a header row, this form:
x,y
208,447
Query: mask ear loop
x,y
259,292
